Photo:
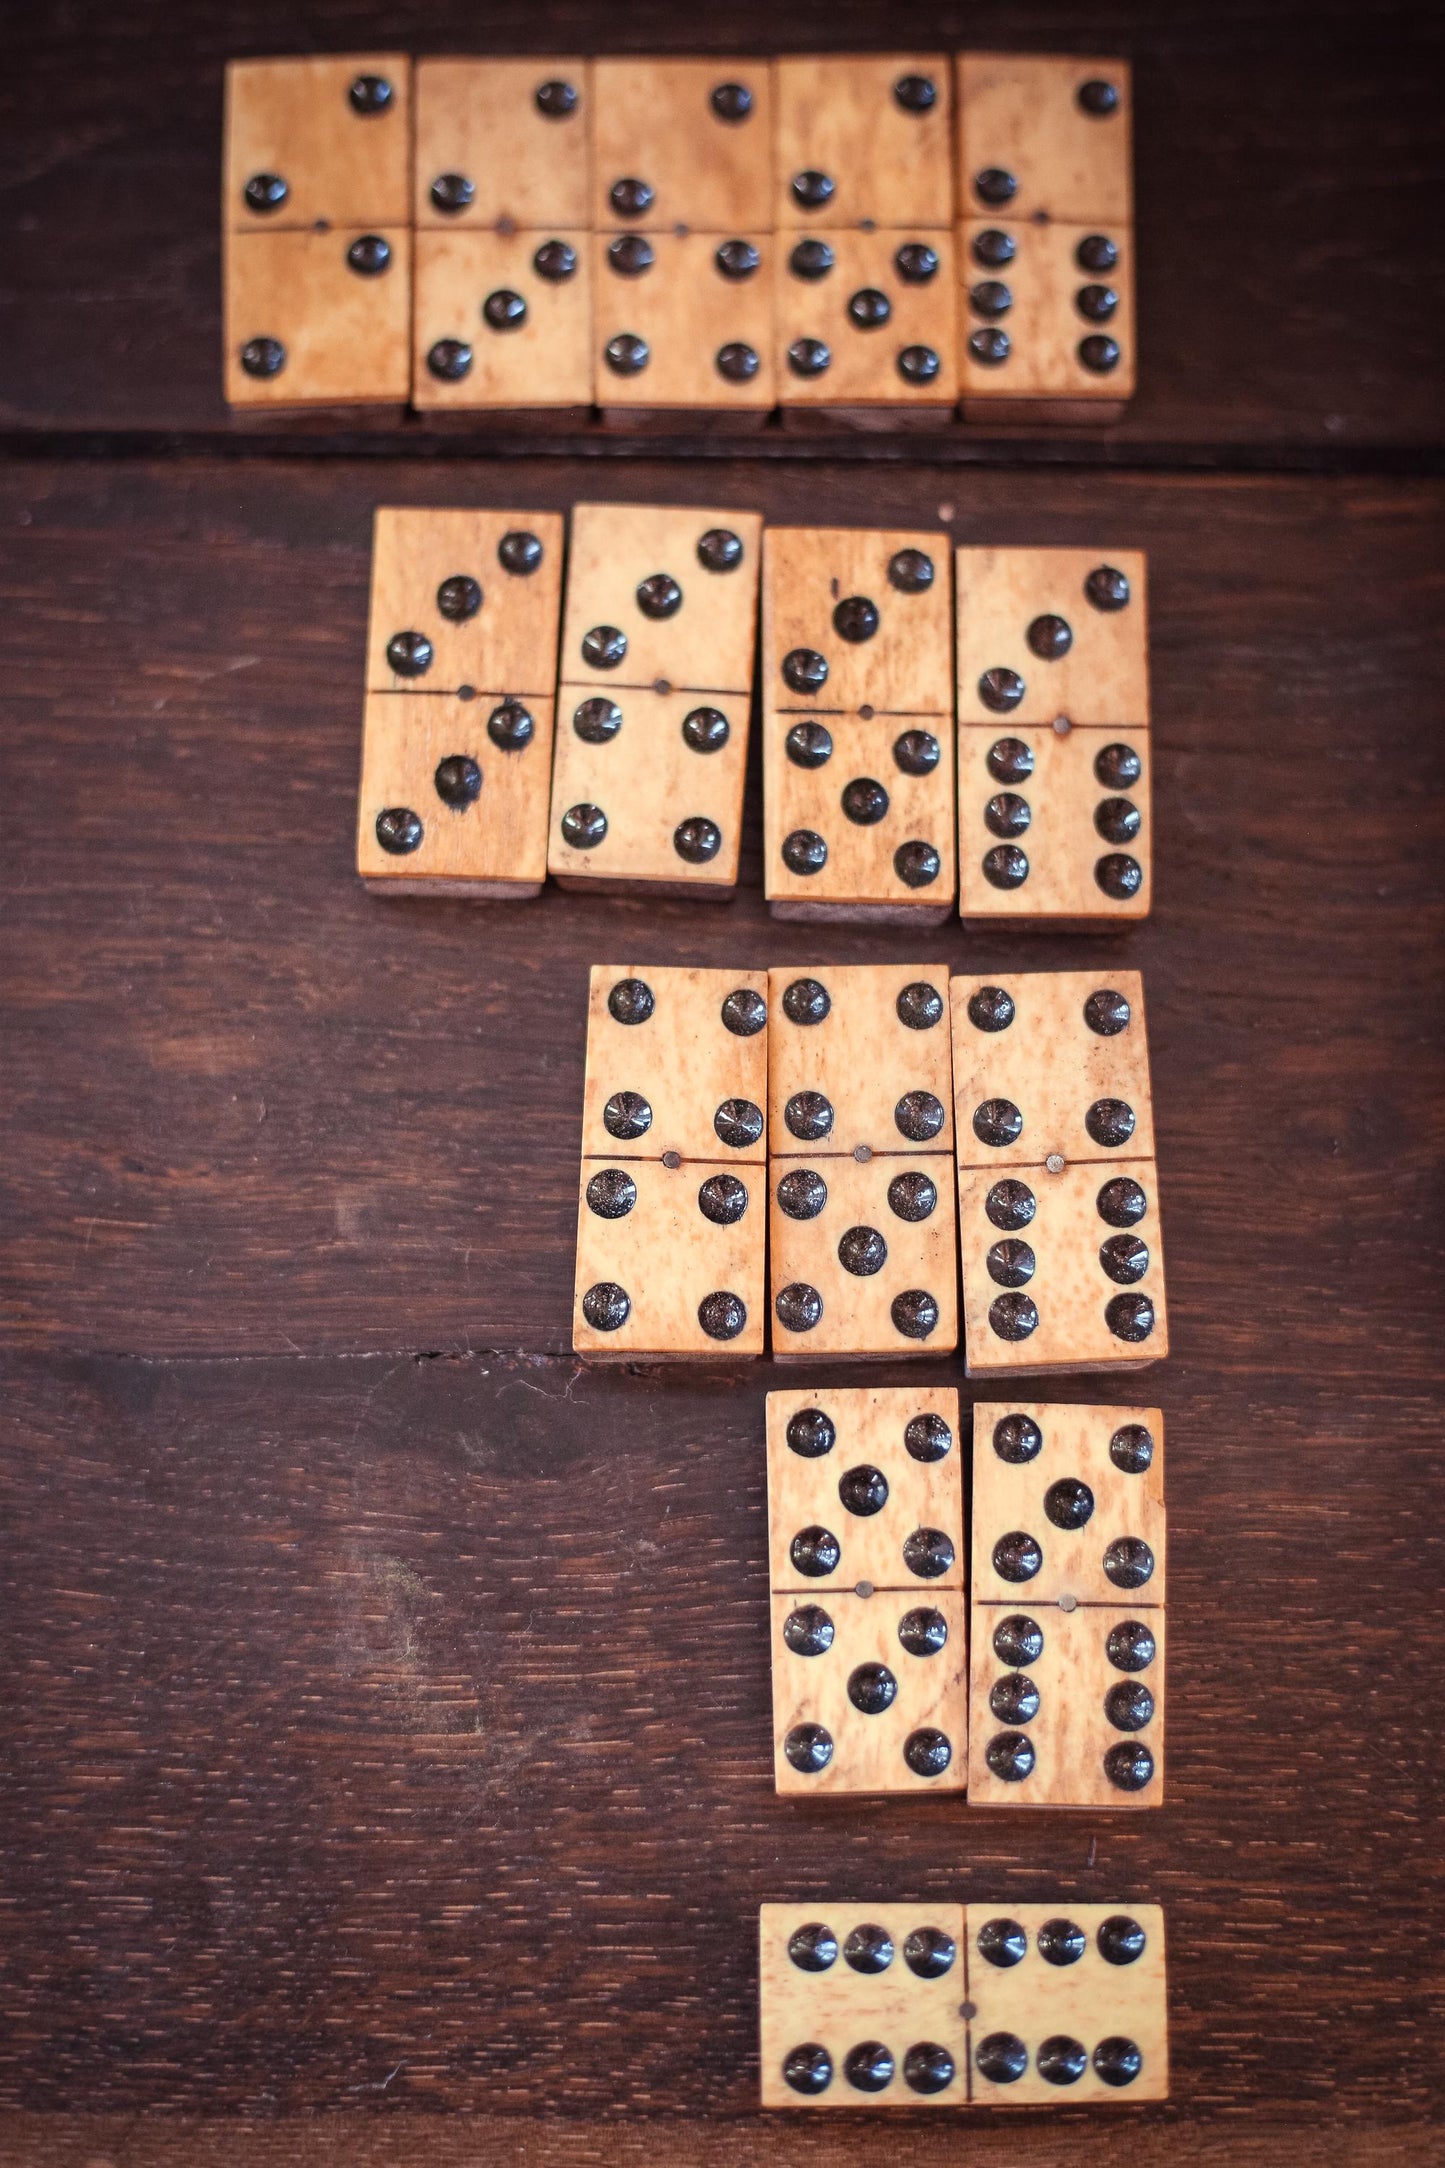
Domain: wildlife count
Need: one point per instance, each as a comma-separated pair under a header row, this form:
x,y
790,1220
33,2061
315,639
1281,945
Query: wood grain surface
x,y
393,1693
1287,185
385,1718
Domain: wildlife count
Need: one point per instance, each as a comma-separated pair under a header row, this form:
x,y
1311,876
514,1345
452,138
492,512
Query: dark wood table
x,y
384,1759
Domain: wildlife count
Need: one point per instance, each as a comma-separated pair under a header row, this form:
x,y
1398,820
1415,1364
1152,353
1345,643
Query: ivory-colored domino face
x,y
454,794
1040,136
1046,312
858,785
318,139
316,241
667,780
657,669
687,323
870,1693
683,142
464,598
856,620
671,1222
657,593
1093,2028
860,2006
863,1257
859,1061
1051,1064
861,1218
1068,1590
873,1476
940,2006
863,138
502,143
1061,1272
898,773
1053,826
1055,1718
1053,743
502,319
460,670
867,318
1068,1501
677,1065
1057,1191
1050,633
318,318
670,1259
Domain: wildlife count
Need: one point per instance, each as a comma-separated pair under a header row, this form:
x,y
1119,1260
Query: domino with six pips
x,y
1058,1193
1045,237
1054,762
1067,1606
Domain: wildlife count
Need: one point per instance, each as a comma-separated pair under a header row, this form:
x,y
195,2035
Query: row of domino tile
x,y
807,1152
941,730
906,233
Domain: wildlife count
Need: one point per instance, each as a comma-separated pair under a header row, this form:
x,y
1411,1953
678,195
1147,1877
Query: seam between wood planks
x,y
1405,462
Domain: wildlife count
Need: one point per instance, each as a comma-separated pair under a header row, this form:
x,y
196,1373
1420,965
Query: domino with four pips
x,y
671,1218
1058,1191
316,231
